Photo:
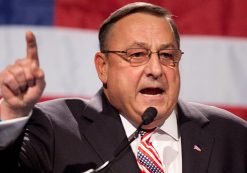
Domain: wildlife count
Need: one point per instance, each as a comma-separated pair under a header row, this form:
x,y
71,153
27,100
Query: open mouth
x,y
152,91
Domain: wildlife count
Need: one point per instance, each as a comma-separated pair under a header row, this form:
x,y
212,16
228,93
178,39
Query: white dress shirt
x,y
166,140
11,129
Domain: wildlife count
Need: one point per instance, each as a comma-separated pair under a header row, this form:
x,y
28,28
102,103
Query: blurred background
x,y
213,37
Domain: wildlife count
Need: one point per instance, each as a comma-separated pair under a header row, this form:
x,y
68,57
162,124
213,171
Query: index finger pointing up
x,y
32,49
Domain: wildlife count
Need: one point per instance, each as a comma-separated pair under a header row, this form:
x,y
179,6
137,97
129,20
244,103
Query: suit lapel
x,y
196,142
105,132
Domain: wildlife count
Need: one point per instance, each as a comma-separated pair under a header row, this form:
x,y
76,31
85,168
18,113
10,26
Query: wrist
x,y
7,112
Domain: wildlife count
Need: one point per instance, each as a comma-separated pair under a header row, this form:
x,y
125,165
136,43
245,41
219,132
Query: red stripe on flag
x,y
225,18
237,110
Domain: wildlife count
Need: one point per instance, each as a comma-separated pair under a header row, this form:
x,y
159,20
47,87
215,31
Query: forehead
x,y
141,27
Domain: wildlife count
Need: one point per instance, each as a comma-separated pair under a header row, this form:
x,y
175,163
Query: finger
x,y
7,92
32,50
39,77
11,83
27,70
18,72
37,90
39,80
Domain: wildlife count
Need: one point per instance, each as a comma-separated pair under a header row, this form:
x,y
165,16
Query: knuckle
x,y
24,62
14,69
9,79
9,67
19,61
29,77
42,74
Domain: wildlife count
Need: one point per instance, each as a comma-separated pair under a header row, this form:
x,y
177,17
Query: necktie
x,y
147,157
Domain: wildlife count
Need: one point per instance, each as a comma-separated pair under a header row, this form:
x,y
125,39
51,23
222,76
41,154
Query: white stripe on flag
x,y
213,69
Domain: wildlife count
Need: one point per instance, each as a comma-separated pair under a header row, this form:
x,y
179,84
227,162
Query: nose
x,y
154,67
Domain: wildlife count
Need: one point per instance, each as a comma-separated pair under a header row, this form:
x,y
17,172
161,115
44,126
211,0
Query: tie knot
x,y
146,134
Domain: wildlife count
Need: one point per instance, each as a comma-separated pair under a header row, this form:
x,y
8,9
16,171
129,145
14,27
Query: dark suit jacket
x,y
72,135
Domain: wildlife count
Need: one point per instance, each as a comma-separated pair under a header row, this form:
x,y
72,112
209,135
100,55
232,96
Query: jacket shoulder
x,y
211,113
63,107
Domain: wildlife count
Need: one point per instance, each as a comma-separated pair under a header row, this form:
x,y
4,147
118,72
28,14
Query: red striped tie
x,y
147,157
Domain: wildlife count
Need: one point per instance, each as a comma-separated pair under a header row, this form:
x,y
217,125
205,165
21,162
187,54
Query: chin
x,y
152,125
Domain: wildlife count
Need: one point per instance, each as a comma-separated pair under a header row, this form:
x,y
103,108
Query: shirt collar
x,y
169,127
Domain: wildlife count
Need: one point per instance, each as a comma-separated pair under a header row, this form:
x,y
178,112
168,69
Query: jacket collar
x,y
196,141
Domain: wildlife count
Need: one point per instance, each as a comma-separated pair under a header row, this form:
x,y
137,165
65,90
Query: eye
x,y
166,54
137,53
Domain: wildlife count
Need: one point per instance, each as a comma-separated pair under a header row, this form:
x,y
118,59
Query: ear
x,y
101,65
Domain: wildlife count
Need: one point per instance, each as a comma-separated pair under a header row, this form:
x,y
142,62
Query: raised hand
x,y
22,83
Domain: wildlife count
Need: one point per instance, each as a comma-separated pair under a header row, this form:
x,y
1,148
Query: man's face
x,y
132,89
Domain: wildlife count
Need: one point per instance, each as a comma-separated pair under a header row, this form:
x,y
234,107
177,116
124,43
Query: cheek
x,y
123,78
122,87
173,79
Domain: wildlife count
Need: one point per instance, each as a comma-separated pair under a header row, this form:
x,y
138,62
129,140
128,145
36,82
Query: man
x,y
138,65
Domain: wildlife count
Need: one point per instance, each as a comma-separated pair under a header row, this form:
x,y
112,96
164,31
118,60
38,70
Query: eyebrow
x,y
136,44
166,46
